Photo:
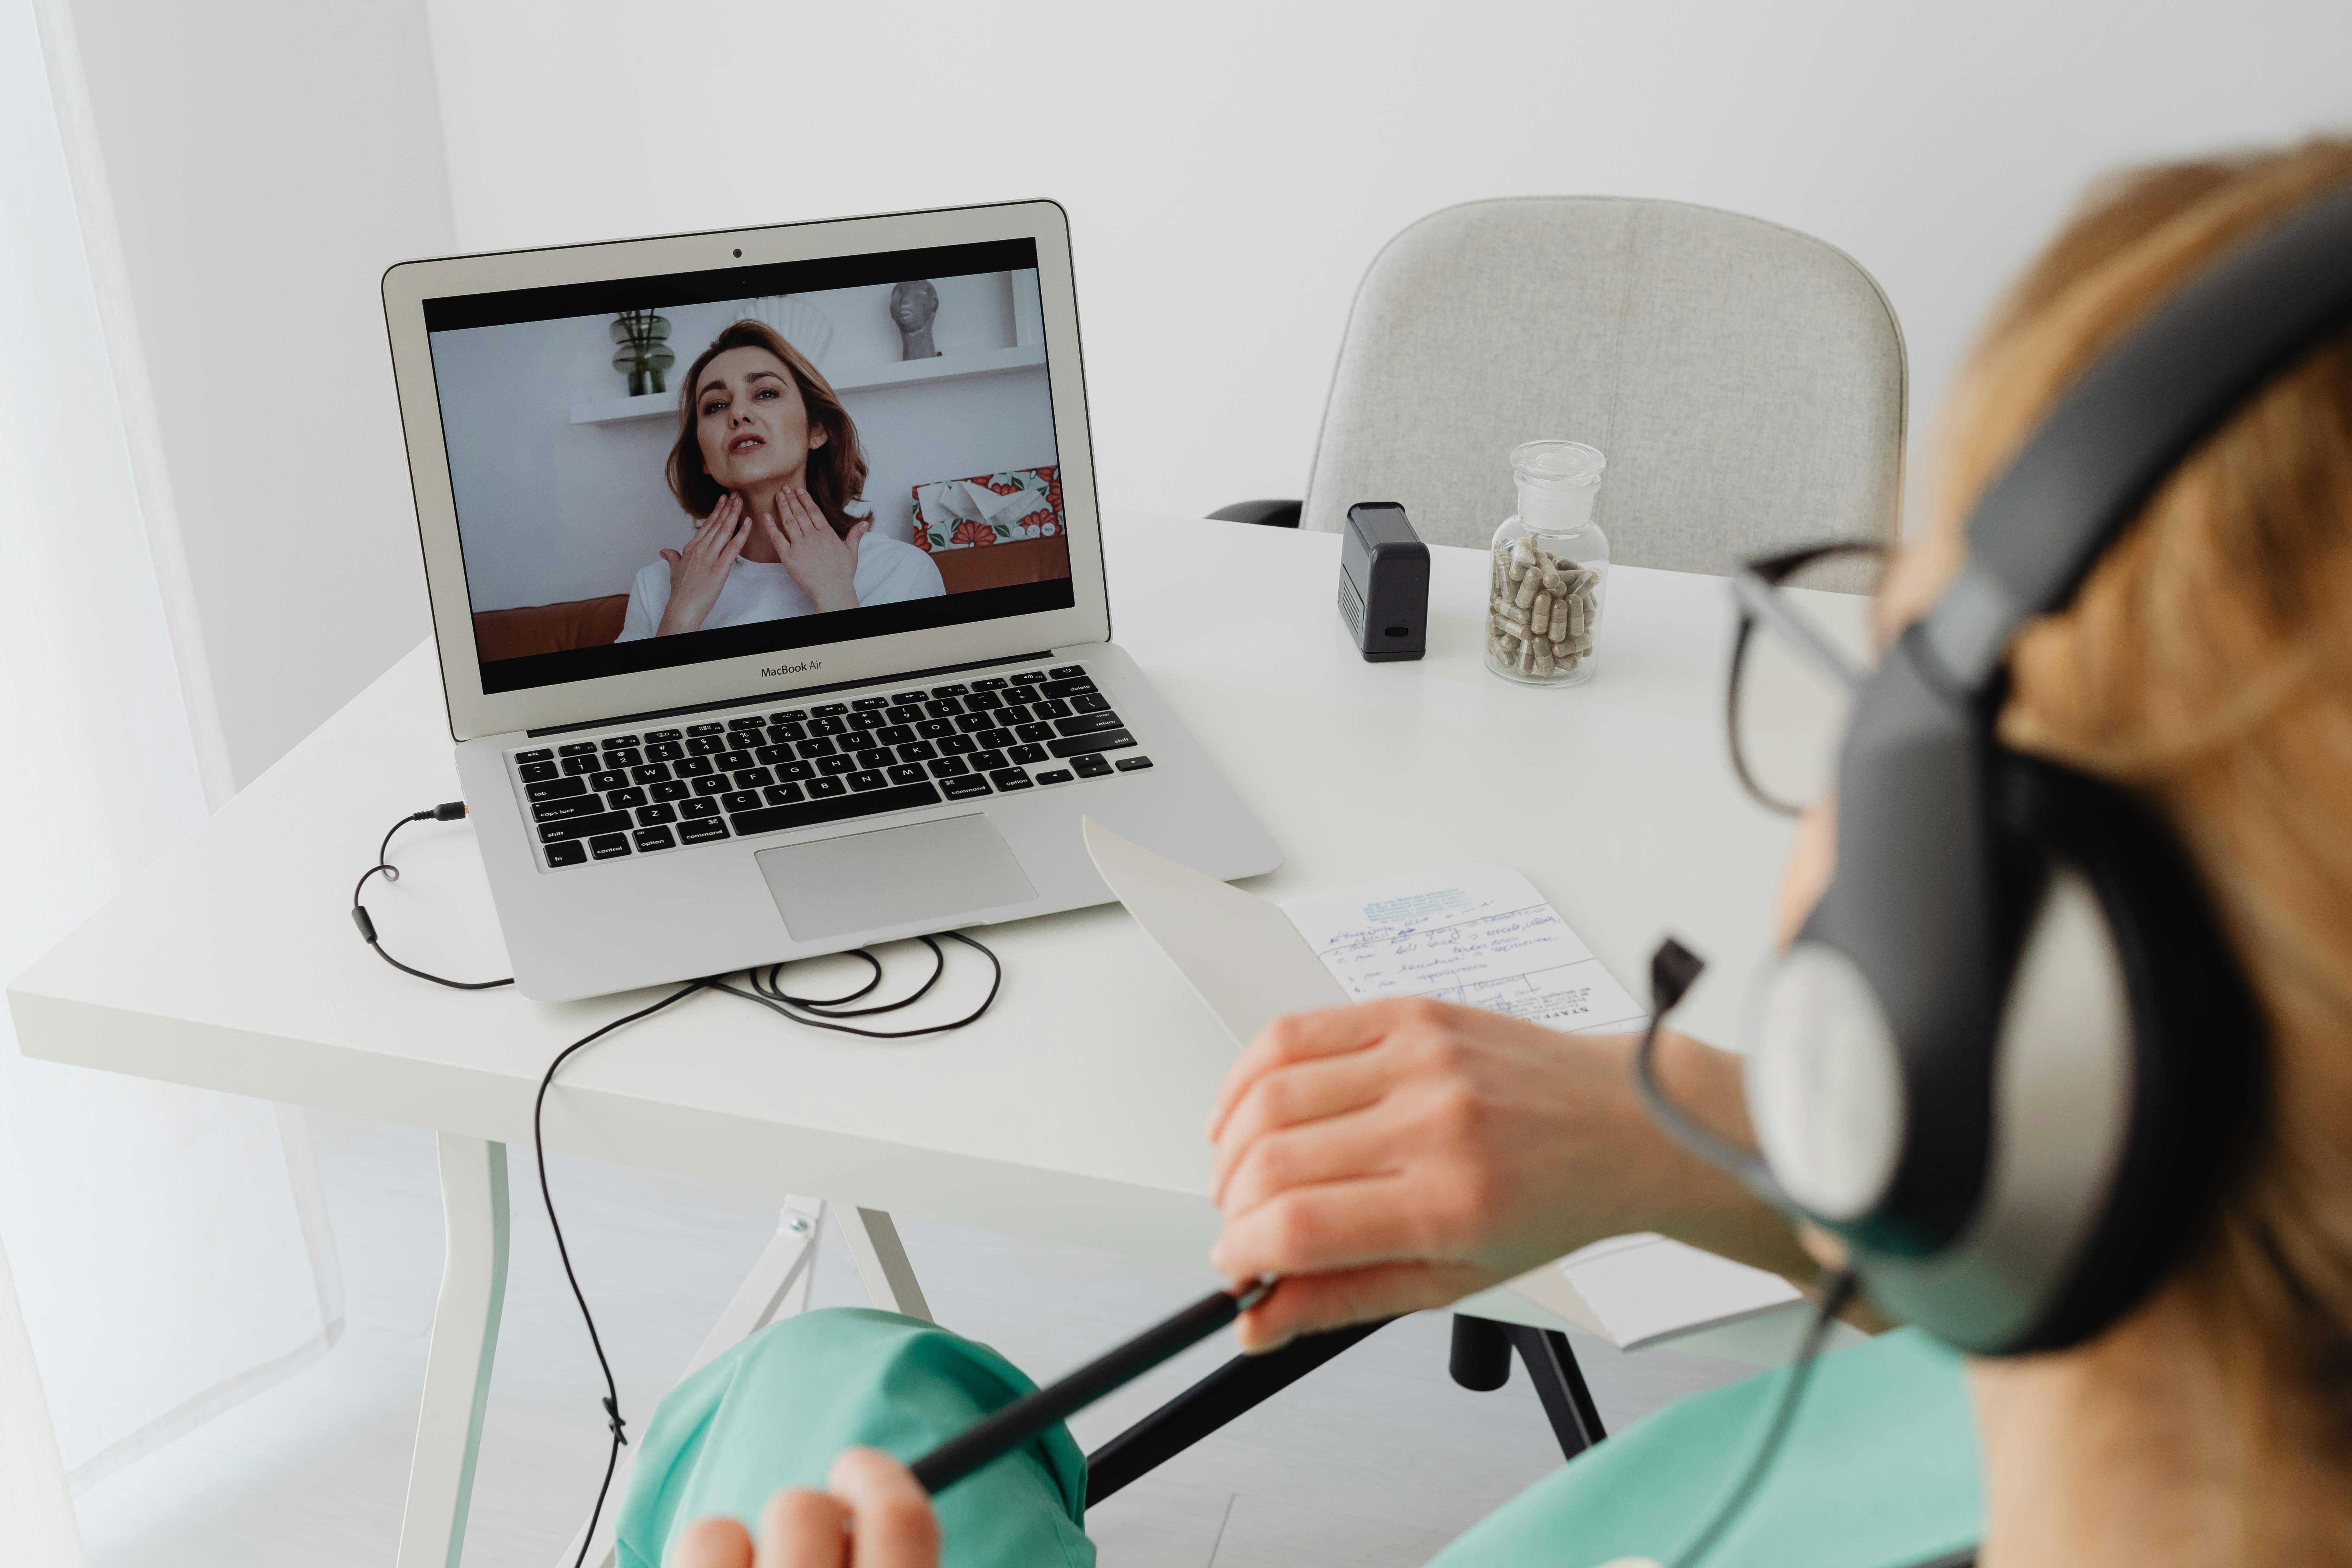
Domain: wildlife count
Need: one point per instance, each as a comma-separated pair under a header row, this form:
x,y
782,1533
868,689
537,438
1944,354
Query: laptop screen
x,y
658,472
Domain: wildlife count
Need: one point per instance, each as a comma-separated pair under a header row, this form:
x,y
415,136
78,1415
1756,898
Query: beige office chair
x,y
1744,381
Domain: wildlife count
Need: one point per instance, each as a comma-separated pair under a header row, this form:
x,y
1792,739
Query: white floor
x,y
1375,1460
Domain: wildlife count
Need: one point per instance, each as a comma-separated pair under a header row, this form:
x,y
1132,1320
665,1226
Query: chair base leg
x,y
1560,1384
1234,1388
1482,1363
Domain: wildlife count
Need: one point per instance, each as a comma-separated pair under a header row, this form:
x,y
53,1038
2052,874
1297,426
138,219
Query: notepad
x,y
1470,932
1478,933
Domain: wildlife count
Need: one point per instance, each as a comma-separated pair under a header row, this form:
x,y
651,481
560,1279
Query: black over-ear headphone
x,y
2011,1056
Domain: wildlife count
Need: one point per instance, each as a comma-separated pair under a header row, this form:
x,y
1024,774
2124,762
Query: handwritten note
x,y
1472,932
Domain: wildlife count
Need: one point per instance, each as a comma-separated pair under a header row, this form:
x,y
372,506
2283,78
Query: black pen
x,y
1026,1417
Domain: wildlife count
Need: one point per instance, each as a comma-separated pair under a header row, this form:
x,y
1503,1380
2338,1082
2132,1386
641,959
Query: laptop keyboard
x,y
651,790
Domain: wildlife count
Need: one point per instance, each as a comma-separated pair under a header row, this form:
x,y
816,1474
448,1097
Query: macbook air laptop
x,y
769,592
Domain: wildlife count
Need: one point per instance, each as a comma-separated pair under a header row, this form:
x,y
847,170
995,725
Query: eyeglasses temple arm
x,y
1763,601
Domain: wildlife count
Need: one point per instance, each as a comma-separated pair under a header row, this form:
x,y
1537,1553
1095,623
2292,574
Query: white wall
x,y
164,1267
1231,166
551,510
267,160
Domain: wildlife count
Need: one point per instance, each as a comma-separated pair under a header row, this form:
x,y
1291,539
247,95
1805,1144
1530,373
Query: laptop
x,y
769,594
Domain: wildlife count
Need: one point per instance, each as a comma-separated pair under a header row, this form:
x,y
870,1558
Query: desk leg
x,y
777,1286
882,1261
457,1362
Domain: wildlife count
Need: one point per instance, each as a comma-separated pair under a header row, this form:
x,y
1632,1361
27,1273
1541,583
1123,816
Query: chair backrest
x,y
1744,381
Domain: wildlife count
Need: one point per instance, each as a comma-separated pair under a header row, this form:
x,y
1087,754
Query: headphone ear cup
x,y
2196,1042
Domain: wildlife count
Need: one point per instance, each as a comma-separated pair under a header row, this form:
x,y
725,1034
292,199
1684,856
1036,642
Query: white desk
x,y
1072,1112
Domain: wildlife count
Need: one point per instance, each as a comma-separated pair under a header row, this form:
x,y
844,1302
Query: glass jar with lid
x,y
1550,568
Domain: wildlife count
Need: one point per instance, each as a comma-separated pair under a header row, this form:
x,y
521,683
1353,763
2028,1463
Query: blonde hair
x,y
2207,664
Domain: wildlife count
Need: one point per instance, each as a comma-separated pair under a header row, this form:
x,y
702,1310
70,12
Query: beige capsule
x,y
1510,611
1543,665
1556,628
1539,612
1579,615
1530,585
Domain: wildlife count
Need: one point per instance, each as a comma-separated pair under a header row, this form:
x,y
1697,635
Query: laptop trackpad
x,y
928,873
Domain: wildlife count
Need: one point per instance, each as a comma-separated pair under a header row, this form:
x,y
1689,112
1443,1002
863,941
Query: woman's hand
x,y
822,561
700,571
1399,1155
874,1516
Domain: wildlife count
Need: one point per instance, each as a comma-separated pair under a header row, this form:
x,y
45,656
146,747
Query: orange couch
x,y
548,628
585,623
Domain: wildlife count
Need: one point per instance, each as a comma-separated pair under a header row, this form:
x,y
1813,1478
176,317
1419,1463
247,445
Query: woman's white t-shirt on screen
x,y
888,570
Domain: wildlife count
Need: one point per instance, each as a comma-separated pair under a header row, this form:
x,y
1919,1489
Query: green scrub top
x,y
1879,1470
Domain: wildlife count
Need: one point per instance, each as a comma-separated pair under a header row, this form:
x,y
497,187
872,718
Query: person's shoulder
x,y
886,548
648,597
899,559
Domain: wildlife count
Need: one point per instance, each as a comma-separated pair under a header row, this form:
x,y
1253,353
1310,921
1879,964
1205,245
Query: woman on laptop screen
x,y
767,462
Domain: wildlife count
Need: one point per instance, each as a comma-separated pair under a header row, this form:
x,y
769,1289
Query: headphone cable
x,y
1674,969
1837,1290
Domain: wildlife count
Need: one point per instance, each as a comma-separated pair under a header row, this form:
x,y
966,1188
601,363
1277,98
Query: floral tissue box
x,y
989,509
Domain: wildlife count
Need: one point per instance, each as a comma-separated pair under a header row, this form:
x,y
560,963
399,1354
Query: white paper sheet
x,y
1646,1288
1471,932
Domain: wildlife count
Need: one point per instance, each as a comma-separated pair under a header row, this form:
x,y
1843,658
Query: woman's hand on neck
x,y
761,501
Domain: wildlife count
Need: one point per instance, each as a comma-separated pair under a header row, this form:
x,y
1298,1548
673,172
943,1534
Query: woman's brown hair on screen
x,y
2206,663
836,469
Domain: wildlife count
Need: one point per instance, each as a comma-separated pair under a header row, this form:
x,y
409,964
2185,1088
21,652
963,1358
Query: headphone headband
x,y
2129,422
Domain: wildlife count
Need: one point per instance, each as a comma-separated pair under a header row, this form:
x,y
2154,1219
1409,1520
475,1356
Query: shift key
x,y
1076,745
584,827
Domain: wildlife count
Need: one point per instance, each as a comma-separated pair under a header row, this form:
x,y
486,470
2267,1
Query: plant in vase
x,y
644,354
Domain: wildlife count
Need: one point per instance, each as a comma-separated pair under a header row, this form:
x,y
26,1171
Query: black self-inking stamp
x,y
1384,581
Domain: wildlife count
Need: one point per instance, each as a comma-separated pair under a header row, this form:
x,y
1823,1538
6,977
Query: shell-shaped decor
x,y
801,324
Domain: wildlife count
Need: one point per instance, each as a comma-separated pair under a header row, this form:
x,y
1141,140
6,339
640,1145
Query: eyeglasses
x,y
1802,654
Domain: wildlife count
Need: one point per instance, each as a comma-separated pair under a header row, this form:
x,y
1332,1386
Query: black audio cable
x,y
767,991
1674,969
1836,1291
447,811
547,1198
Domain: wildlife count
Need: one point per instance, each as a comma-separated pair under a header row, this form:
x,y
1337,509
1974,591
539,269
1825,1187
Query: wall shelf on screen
x,y
852,378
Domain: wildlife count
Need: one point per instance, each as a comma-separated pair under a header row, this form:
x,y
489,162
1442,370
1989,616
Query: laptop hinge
x,y
792,696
